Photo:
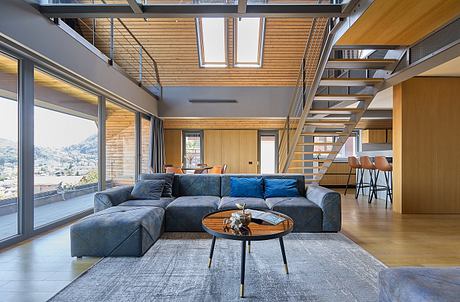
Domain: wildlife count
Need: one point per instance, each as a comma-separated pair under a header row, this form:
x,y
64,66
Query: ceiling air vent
x,y
212,101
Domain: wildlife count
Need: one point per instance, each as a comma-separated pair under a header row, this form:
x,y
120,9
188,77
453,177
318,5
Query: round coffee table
x,y
213,223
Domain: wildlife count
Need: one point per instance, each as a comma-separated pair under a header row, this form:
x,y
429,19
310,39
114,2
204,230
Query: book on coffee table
x,y
266,216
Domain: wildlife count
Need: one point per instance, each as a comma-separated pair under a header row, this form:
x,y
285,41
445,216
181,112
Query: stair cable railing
x,y
288,146
299,95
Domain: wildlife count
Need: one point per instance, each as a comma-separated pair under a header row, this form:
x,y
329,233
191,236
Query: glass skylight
x,y
212,35
248,41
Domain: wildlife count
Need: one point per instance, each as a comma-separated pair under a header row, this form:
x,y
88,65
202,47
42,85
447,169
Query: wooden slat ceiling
x,y
10,66
173,44
396,22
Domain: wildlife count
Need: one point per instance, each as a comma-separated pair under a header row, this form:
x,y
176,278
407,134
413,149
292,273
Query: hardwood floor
x,y
37,269
402,239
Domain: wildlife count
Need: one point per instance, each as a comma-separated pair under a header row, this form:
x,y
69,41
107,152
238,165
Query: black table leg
x,y
284,255
212,251
243,264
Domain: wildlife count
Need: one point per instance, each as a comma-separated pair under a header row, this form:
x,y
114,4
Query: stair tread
x,y
336,110
350,81
320,144
360,63
314,152
323,134
311,160
343,97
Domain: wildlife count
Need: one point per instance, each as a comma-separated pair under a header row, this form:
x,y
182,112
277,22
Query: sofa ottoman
x,y
117,231
417,284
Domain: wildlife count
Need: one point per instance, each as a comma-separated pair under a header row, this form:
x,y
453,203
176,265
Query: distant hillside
x,y
88,146
86,150
8,152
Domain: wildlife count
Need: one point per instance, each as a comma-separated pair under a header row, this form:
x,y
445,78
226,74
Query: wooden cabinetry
x,y
374,136
389,136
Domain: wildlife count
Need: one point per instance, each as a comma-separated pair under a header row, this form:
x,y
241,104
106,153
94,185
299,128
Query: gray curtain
x,y
157,146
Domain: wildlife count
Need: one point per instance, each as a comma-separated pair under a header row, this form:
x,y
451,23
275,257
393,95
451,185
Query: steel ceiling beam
x,y
185,10
135,7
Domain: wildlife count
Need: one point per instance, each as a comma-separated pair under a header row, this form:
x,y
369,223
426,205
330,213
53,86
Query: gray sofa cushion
x,y
148,189
307,216
196,185
167,177
416,284
227,203
111,197
117,231
184,214
163,202
226,184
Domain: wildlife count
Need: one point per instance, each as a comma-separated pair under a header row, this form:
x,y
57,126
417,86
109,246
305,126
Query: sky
x,y
52,129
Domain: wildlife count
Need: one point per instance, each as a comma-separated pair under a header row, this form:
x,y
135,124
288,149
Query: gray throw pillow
x,y
147,189
167,177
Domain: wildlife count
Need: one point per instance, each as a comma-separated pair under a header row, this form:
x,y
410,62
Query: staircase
x,y
325,111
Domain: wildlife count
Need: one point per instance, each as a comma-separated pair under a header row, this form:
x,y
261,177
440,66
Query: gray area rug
x,y
322,267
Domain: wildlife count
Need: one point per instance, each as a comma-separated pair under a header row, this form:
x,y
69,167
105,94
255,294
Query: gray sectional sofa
x,y
139,223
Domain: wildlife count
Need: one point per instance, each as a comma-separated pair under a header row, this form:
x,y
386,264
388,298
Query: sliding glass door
x,y
9,153
65,149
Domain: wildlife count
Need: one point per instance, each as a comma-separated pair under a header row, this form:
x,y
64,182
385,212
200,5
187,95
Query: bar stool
x,y
382,164
368,165
354,163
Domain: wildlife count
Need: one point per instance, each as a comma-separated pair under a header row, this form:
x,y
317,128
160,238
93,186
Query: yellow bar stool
x,y
368,165
354,163
382,164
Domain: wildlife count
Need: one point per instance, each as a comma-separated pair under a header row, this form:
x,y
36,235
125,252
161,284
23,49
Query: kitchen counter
x,y
386,153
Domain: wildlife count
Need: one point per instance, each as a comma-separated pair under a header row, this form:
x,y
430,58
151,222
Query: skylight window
x,y
249,38
212,41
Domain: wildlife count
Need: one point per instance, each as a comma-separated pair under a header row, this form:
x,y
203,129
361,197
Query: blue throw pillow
x,y
246,187
148,189
281,187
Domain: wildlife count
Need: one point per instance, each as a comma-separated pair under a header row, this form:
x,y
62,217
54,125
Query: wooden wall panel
x,y
426,146
235,148
213,147
173,147
248,151
220,123
231,150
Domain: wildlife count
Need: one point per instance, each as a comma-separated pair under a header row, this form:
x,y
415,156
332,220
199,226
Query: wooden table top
x,y
214,224
196,168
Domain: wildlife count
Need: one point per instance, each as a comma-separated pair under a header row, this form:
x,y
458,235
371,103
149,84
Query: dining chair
x,y
216,169
174,170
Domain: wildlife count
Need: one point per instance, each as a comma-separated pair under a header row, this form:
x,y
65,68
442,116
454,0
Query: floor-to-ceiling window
x,y
145,144
65,149
9,155
120,145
